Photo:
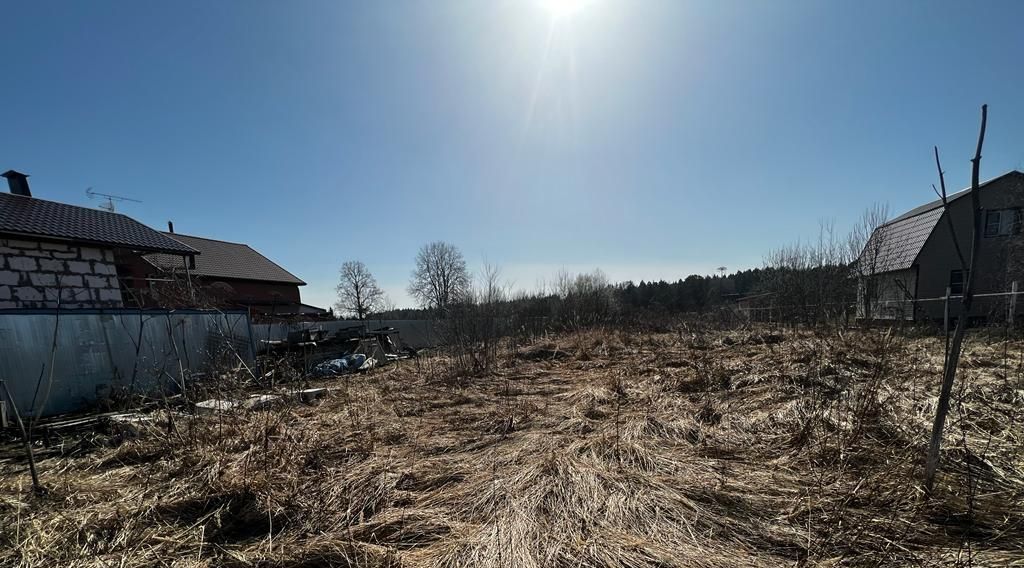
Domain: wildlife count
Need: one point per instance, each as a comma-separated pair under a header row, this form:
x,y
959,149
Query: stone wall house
x,y
58,255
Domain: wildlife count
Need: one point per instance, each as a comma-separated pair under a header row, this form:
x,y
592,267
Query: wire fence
x,y
906,309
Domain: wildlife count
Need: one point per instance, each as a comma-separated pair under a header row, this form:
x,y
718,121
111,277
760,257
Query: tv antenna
x,y
108,205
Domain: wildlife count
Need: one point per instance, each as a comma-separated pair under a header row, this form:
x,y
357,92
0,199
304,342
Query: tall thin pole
x,y
1011,316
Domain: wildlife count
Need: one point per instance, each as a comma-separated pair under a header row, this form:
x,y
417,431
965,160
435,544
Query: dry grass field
x,y
596,449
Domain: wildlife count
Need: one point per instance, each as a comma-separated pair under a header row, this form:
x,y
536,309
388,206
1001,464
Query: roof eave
x,y
262,280
106,244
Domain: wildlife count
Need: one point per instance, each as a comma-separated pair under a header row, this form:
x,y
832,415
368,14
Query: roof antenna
x,y
110,199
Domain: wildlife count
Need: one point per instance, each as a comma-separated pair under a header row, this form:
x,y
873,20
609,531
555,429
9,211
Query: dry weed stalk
x,y
601,448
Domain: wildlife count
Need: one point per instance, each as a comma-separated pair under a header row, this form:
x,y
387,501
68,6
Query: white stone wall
x,y
33,274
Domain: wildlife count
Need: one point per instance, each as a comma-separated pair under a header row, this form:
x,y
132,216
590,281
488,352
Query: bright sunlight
x,y
560,9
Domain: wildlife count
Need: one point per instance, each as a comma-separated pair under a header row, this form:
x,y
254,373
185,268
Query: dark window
x,y
956,282
1002,222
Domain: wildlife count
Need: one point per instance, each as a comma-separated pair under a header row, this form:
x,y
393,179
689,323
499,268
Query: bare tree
x,y
479,320
440,277
968,266
586,298
811,279
358,292
867,243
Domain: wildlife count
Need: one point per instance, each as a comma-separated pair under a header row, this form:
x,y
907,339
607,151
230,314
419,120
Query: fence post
x,y
945,310
1010,316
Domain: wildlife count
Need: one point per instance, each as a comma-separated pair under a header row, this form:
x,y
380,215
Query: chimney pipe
x,y
18,182
170,226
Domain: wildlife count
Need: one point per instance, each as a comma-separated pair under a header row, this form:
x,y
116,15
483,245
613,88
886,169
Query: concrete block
x,y
70,255
50,265
75,295
53,246
19,244
104,268
28,294
37,253
9,278
108,255
88,253
97,281
5,292
42,279
23,263
214,406
110,295
79,267
71,281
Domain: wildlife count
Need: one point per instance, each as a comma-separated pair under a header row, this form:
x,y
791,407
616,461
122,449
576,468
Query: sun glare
x,y
563,8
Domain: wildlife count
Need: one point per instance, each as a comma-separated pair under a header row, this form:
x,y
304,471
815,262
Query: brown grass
x,y
595,449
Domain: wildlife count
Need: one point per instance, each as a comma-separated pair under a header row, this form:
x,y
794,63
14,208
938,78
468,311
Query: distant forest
x,y
694,294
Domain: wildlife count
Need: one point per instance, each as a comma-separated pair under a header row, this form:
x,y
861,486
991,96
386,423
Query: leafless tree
x,y
867,243
440,277
586,298
478,321
967,264
810,280
358,292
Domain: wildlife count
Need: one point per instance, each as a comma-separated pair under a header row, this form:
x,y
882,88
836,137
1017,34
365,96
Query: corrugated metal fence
x,y
103,354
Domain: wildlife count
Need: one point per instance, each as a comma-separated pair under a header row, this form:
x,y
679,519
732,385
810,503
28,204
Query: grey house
x,y
909,262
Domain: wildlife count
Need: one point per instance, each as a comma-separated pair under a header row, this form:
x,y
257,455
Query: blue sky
x,y
653,139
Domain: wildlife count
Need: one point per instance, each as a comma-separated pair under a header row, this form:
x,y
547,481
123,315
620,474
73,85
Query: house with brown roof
x,y
55,255
909,262
236,275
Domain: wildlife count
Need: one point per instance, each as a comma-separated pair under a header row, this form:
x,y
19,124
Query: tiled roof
x,y
221,259
29,216
896,244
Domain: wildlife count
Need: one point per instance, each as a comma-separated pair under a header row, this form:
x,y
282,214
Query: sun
x,y
560,9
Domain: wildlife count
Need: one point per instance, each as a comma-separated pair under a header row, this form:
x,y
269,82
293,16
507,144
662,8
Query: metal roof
x,y
937,204
896,244
26,216
222,259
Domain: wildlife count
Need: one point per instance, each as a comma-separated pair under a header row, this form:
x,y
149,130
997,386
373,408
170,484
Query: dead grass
x,y
595,449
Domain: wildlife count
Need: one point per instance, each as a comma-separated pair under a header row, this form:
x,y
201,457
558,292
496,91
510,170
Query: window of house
x,y
1002,222
956,282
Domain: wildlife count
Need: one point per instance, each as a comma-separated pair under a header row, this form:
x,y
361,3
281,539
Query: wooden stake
x,y
953,354
36,487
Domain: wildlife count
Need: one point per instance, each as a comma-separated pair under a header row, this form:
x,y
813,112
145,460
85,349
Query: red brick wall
x,y
259,292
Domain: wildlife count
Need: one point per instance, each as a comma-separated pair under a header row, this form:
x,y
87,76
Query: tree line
x,y
806,281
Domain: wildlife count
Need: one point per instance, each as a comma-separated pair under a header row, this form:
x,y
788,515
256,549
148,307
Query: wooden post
x,y
1012,313
27,442
945,314
956,345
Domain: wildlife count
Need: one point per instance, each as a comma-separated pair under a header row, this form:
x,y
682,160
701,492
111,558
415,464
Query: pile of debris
x,y
347,364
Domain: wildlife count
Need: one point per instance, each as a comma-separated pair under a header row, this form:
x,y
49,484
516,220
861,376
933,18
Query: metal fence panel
x,y
102,354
